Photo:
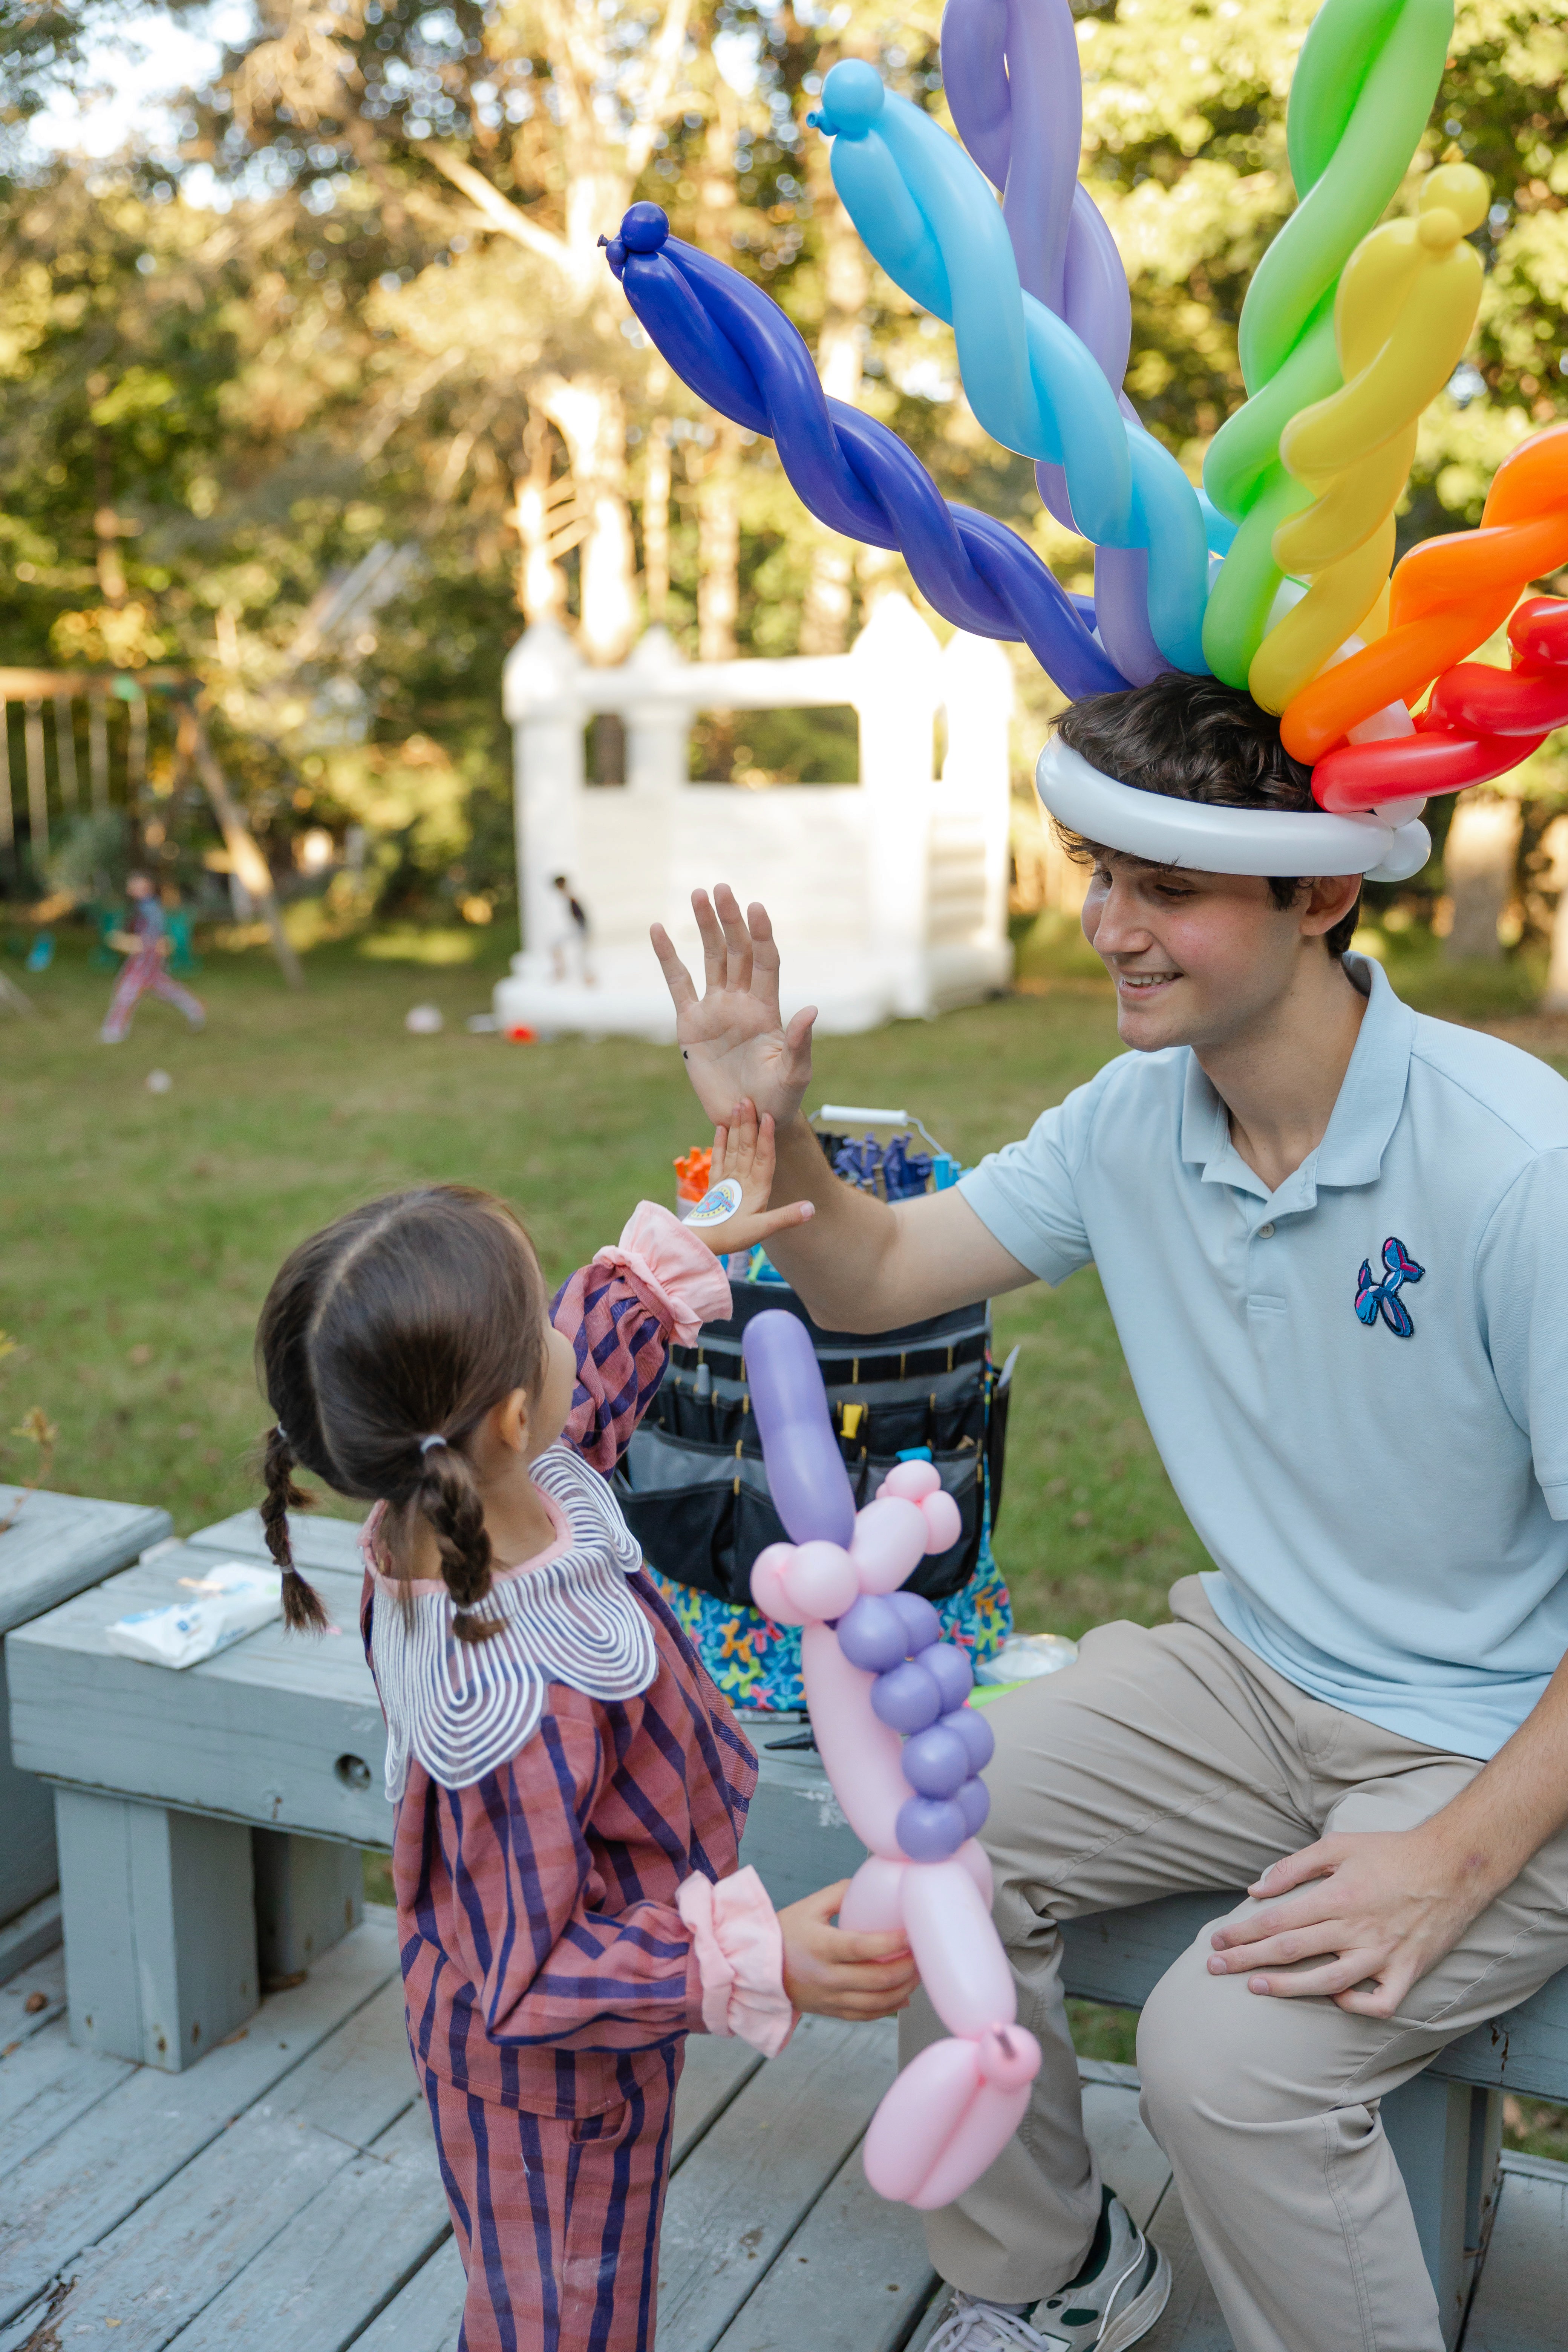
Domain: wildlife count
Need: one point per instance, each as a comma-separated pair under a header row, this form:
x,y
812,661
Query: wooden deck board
x,y
714,2074
45,2086
852,2278
387,2204
1521,2302
283,2196
758,2170
150,2276
17,2021
358,2084
424,2318
72,2193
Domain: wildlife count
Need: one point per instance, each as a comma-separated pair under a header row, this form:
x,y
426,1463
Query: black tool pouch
x,y
692,1483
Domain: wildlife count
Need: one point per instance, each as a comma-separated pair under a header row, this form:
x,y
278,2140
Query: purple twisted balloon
x,y
922,1683
1010,70
737,350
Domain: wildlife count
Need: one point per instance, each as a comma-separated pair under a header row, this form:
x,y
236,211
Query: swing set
x,y
99,723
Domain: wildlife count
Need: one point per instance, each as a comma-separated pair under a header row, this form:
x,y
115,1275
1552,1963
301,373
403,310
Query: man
x,y
1335,1239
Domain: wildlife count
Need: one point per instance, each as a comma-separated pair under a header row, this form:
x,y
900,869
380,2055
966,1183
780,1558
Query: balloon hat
x,y
1275,576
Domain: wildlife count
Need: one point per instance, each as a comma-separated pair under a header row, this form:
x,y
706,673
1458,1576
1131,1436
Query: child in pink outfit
x,y
570,1787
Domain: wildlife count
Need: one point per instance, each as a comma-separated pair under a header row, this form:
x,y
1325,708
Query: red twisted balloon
x,y
1447,596
1479,723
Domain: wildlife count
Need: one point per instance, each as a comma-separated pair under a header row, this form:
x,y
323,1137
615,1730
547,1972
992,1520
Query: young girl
x,y
570,1785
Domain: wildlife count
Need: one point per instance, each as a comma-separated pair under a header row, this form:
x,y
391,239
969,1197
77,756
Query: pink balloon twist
x,y
903,1750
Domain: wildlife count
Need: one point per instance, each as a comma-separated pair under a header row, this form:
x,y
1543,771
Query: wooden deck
x,y
282,2195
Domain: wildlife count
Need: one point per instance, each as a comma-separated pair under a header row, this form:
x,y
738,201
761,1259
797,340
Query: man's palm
x,y
732,1038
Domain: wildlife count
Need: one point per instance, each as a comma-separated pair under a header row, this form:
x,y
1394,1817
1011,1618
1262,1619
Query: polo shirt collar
x,y
1365,1113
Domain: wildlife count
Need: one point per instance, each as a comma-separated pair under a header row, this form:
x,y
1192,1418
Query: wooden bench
x,y
209,1823
54,1545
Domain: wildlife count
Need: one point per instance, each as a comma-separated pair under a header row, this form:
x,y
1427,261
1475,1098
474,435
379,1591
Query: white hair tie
x,y
1386,844
426,1445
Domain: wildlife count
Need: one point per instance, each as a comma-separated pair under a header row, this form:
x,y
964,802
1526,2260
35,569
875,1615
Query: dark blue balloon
x,y
645,228
921,1624
929,1830
736,349
936,1763
952,1673
871,1635
908,1698
979,1739
975,1804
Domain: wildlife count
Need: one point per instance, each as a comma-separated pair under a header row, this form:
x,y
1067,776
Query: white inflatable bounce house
x,y
889,896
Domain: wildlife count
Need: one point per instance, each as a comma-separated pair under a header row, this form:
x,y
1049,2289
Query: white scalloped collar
x,y
463,1709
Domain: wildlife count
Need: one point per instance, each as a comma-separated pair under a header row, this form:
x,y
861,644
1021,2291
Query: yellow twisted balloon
x,y
1406,306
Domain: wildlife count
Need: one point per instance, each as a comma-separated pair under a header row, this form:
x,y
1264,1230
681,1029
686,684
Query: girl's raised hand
x,y
744,1150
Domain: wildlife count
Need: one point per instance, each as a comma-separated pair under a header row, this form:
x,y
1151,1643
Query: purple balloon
x,y
921,1624
952,1673
979,1739
806,1476
936,1763
929,1829
871,1635
1121,612
973,1804
1010,73
908,1698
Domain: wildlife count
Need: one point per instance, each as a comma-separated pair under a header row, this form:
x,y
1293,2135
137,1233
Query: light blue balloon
x,y
926,213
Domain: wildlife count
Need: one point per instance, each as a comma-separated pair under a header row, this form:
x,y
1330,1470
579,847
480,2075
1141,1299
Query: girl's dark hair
x,y
408,1319
1194,739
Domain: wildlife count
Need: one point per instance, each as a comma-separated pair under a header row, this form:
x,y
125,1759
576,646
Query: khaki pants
x,y
1173,1759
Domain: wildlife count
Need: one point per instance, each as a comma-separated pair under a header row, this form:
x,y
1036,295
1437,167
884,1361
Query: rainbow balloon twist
x,y
903,1750
1349,329
1406,303
1363,89
925,212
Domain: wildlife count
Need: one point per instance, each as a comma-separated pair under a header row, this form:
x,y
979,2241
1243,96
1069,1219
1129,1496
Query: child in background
x,y
570,1785
144,946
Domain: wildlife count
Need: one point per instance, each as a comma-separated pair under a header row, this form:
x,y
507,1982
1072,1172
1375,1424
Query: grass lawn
x,y
142,1229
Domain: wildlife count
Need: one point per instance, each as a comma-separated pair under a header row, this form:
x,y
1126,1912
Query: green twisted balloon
x,y
1364,87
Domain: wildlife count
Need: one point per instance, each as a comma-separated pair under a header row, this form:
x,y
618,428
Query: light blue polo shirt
x,y
1374,1457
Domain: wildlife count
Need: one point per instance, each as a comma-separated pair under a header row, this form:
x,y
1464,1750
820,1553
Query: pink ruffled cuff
x,y
740,1953
676,1273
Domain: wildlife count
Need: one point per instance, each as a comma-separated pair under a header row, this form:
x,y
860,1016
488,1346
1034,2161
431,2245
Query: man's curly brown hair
x,y
1194,739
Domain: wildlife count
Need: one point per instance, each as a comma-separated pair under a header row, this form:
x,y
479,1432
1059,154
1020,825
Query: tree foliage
x,y
366,310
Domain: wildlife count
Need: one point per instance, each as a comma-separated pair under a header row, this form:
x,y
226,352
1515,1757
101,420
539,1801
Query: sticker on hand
x,y
716,1207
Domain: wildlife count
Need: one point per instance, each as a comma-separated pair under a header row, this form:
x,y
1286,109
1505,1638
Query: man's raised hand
x,y
732,1038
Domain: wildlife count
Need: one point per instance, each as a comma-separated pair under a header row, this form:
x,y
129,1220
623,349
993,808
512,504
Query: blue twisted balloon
x,y
925,212
737,352
1010,72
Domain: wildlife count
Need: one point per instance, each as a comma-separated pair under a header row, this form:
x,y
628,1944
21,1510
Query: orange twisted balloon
x,y
1447,597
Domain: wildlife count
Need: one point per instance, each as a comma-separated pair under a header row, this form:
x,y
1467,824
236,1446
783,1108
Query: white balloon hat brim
x,y
1386,844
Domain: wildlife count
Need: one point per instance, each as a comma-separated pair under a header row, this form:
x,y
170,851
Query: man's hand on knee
x,y
1361,1915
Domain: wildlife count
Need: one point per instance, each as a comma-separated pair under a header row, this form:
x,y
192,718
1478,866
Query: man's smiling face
x,y
1199,959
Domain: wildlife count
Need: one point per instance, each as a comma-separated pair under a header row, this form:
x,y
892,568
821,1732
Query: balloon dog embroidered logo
x,y
1372,1298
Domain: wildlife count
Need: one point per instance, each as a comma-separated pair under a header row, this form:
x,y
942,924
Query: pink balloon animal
x,y
904,1751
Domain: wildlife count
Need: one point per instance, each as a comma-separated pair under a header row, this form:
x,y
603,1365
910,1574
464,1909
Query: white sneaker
x,y
1122,2288
972,2326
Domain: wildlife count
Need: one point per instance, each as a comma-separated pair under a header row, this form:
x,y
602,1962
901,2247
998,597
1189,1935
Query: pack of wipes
x,y
231,1601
